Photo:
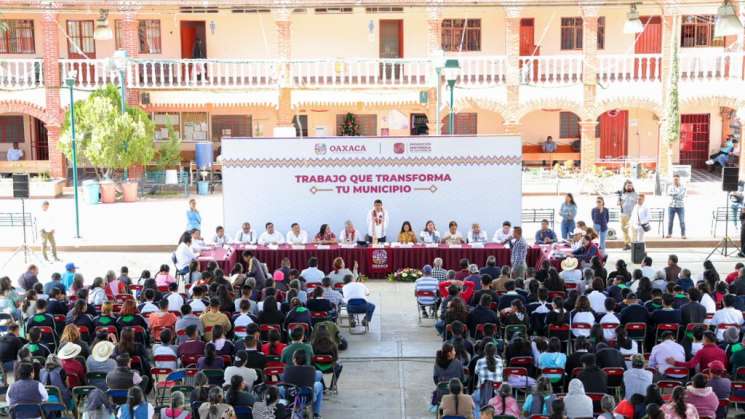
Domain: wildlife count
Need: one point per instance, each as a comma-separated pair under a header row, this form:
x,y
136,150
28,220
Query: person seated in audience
x,y
452,236
406,235
510,296
708,353
323,344
223,346
553,357
243,318
456,403
545,235
130,317
572,274
188,319
702,397
237,394
56,303
10,344
358,294
594,379
312,274
198,301
255,359
318,303
576,402
582,313
71,334
430,235
538,402
74,369
166,347
297,336
211,360
586,251
609,318
34,346
636,379
504,234
297,313
664,352
304,376
330,293
609,356
270,236
719,382
149,305
273,347
174,299
732,276
245,235
193,345
269,312
214,408
667,314
727,315
481,314
26,390
162,319
241,369
296,235
427,283
213,317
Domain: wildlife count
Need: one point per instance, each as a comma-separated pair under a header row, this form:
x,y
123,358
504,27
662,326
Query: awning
x,y
351,97
189,98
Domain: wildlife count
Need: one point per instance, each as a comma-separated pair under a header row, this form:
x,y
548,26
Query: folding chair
x,y
243,411
521,361
511,329
47,337
56,410
557,381
666,388
305,326
265,328
79,395
665,327
214,377
673,373
356,309
271,372
561,332
579,327
118,397
431,306
160,376
737,395
24,411
189,360
615,380
480,329
327,365
85,334
637,332
55,395
520,372
596,398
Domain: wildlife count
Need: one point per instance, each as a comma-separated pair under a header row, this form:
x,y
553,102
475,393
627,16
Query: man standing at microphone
x,y
377,222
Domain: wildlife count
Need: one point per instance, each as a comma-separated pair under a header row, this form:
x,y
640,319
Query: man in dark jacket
x,y
608,357
693,312
29,278
593,378
302,375
581,348
481,314
633,312
491,267
485,290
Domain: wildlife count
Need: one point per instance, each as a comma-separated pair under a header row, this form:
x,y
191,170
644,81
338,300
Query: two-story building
x,y
211,69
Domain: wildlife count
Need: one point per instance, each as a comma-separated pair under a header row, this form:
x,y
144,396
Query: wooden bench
x,y
534,153
536,215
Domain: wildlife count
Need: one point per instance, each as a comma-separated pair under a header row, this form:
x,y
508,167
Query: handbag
x,y
646,227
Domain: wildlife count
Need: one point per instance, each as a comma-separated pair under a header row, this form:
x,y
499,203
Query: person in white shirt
x,y
571,274
582,314
503,235
349,235
15,153
175,300
640,218
647,270
184,255
220,239
197,303
453,236
245,235
357,293
296,235
727,315
476,234
197,242
668,348
430,234
243,319
597,297
45,221
377,222
270,236
311,274
609,318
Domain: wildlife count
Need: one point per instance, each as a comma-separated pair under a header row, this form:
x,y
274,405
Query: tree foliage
x,y
109,140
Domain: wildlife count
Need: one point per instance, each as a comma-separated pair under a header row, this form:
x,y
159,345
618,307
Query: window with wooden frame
x,y
465,123
11,129
601,32
571,33
453,34
568,125
80,37
148,35
230,126
18,38
698,31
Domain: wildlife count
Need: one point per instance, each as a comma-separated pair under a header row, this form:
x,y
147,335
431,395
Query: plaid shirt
x,y
485,375
519,252
677,196
439,274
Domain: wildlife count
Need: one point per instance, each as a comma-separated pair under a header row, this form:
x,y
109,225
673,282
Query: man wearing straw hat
x,y
571,274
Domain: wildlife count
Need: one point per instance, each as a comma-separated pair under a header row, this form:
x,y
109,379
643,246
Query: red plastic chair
x,y
305,326
189,359
615,379
737,395
521,361
273,375
677,371
480,329
666,327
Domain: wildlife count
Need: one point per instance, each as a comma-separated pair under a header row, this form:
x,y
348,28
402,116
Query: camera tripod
x,y
25,248
723,247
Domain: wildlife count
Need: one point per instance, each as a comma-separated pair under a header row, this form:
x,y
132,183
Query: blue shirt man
x,y
69,275
56,282
545,235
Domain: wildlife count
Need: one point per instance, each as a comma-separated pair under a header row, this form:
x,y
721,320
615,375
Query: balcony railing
x,y
551,69
168,73
481,71
21,73
89,73
362,72
711,66
613,68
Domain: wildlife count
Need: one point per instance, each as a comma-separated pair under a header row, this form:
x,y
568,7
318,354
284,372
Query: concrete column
x,y
512,128
130,30
434,49
667,146
512,52
588,151
50,36
284,111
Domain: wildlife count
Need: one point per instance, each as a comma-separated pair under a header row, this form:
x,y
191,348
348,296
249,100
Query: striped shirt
x,y
519,252
426,283
677,196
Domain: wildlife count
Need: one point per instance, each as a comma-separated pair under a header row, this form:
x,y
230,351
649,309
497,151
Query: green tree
x,y
109,140
350,127
169,152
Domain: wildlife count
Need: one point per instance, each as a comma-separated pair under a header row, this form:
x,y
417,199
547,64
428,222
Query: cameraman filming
x,y
627,199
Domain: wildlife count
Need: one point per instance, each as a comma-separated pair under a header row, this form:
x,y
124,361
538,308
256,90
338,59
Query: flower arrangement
x,y
405,275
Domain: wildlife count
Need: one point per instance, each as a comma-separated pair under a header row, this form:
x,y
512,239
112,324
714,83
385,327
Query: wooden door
x,y
614,130
465,123
191,31
694,140
40,142
81,46
648,42
391,46
527,44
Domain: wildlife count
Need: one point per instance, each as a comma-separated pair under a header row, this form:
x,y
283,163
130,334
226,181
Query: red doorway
x,y
40,143
614,134
694,140
391,46
191,31
527,43
648,42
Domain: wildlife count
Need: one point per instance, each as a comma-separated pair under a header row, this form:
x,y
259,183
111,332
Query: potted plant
x,y
169,157
111,141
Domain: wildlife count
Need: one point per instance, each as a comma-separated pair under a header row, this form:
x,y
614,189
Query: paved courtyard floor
x,y
387,372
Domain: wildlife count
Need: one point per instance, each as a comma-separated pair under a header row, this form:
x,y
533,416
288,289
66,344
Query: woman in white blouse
x,y
430,233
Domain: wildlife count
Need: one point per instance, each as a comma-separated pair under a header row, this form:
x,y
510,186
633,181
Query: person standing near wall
x,y
568,212
627,201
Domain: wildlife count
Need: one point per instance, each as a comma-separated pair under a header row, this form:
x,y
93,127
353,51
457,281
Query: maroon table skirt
x,y
369,259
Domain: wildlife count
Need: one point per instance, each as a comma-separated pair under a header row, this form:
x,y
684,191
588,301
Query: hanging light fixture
x,y
633,22
727,22
103,30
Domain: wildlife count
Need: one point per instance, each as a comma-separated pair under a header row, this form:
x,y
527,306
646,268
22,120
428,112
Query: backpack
x,y
536,408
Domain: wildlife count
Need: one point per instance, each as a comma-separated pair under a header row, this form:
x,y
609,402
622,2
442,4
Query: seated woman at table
x,y
406,235
587,251
349,235
325,235
453,236
429,234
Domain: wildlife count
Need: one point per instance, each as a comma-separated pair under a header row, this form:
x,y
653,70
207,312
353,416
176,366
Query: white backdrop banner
x,y
314,181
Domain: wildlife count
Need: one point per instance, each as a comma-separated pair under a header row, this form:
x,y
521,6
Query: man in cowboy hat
x,y
100,361
67,356
571,274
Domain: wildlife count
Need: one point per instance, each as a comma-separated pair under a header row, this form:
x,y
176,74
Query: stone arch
x,y
17,106
645,104
719,101
551,103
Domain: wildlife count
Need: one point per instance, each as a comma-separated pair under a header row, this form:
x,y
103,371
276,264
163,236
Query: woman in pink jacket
x,y
503,403
702,396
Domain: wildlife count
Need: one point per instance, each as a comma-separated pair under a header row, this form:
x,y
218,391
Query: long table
x,y
375,262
